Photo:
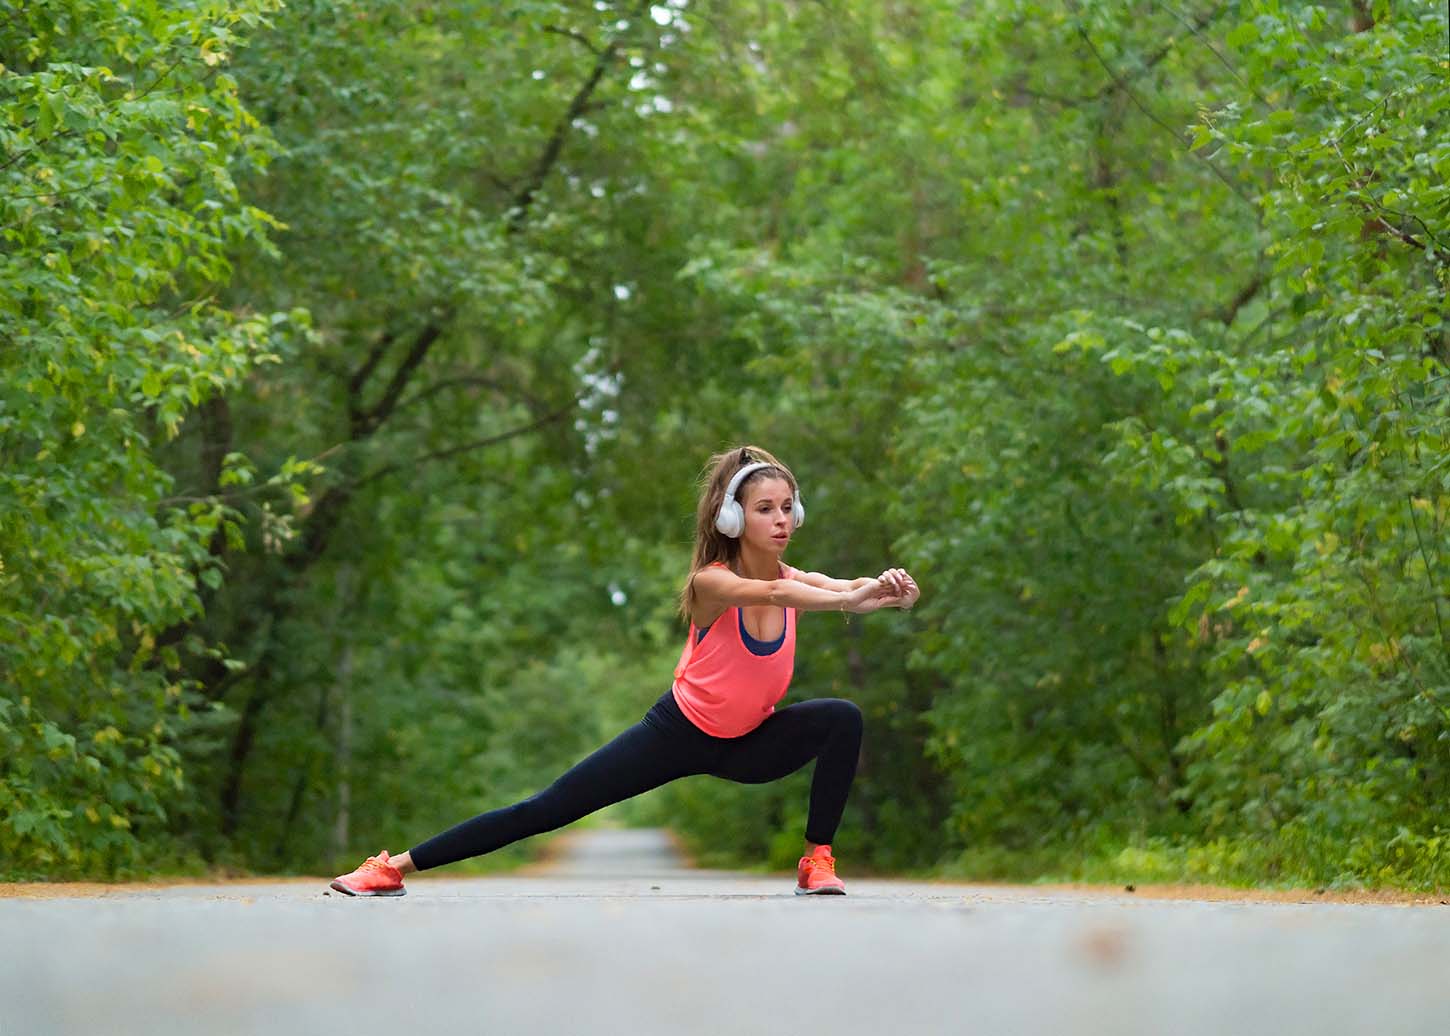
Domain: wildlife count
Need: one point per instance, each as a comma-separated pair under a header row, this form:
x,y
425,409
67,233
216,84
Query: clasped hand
x,y
893,588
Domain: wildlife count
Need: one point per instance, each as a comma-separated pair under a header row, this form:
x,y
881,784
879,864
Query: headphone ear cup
x,y
798,512
731,519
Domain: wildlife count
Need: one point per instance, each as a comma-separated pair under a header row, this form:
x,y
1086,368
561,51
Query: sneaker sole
x,y
339,886
825,891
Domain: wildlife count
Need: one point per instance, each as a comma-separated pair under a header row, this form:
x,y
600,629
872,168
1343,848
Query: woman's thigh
x,y
787,740
637,760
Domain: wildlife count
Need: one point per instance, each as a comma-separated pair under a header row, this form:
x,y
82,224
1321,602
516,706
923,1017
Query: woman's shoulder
x,y
710,568
695,616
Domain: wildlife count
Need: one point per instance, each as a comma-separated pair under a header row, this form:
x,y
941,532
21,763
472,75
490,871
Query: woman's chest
x,y
763,622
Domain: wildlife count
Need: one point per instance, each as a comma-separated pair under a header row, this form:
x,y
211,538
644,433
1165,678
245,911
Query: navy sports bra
x,y
756,647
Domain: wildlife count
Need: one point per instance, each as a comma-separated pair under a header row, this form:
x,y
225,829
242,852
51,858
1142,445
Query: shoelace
x,y
827,862
375,863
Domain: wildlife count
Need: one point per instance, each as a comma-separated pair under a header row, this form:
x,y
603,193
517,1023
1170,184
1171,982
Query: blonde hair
x,y
711,544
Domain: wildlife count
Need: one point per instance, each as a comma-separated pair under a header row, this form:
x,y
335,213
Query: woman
x,y
719,716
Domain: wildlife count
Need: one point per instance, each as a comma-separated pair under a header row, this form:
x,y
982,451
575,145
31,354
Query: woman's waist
x,y
724,690
728,710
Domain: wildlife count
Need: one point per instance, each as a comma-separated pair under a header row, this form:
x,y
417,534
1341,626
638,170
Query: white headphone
x,y
731,519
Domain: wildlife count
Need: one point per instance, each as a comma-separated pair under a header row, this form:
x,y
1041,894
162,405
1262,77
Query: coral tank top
x,y
723,686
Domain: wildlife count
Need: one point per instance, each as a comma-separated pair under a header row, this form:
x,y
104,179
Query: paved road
x,y
617,936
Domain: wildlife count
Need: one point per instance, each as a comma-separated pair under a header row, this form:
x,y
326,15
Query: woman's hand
x,y
909,590
893,588
871,595
904,586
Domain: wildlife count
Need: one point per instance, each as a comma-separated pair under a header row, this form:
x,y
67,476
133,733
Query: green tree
x,y
118,213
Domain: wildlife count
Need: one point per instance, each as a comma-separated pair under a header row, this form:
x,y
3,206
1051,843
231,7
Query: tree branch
x,y
1229,313
1123,85
1119,82
430,333
453,451
555,146
578,37
1203,22
362,374
464,380
1197,30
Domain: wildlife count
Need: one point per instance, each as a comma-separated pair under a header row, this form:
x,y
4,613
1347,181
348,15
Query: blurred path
x,y
616,935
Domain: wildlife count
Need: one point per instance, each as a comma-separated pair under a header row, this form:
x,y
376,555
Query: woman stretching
x,y
719,716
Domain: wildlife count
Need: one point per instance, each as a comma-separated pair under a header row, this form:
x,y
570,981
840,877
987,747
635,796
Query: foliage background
x,y
357,361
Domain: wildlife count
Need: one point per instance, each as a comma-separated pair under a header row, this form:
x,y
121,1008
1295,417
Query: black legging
x,y
663,747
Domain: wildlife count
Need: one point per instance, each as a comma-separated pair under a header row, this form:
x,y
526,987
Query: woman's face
x,y
768,521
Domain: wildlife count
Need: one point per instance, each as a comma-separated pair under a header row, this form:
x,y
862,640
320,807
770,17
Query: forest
x,y
359,361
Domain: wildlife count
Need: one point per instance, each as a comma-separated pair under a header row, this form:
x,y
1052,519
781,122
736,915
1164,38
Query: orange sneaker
x,y
816,874
376,877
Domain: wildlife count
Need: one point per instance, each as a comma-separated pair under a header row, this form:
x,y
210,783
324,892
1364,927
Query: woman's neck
x,y
757,564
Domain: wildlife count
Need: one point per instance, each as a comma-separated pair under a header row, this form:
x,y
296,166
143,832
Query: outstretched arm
x,y
901,584
717,588
826,582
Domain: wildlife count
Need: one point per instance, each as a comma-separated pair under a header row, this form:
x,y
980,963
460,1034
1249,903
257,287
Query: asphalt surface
x,y
618,936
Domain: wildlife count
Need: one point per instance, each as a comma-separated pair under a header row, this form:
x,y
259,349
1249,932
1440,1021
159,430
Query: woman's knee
x,y
846,716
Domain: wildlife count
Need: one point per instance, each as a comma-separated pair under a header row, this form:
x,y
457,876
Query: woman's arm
x,y
719,588
896,578
825,582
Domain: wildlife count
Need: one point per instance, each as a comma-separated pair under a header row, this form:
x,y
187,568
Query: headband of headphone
x,y
731,519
